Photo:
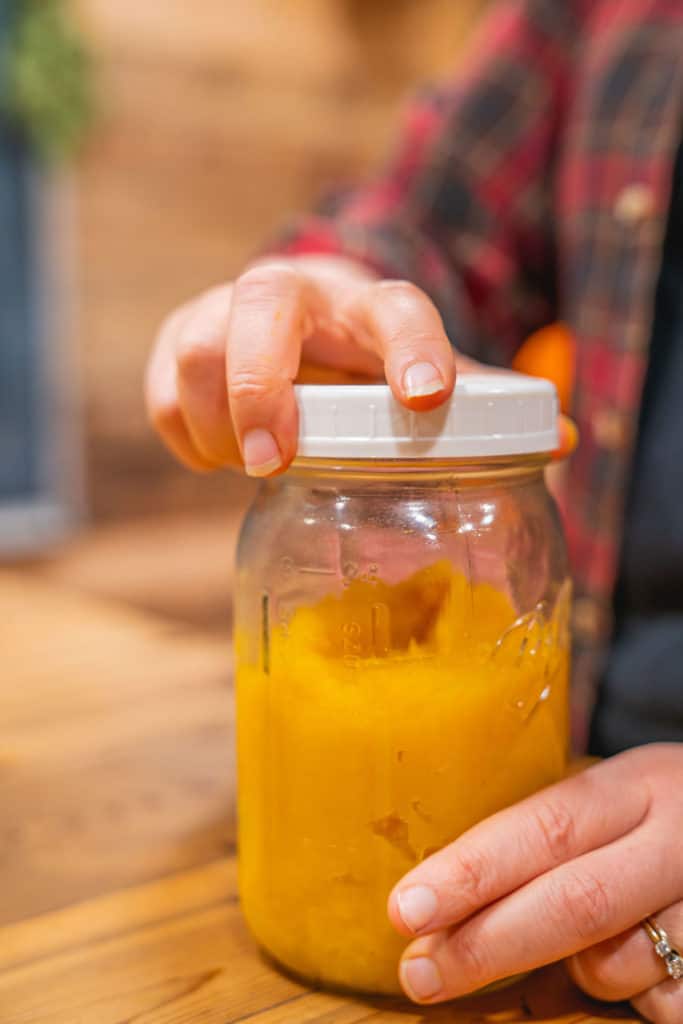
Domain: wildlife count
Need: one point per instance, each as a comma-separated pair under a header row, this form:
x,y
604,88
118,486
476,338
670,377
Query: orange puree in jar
x,y
378,726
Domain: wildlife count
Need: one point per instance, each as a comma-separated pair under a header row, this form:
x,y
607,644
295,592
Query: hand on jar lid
x,y
219,382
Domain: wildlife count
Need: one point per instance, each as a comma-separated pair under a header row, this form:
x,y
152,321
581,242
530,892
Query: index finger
x,y
272,306
398,322
516,845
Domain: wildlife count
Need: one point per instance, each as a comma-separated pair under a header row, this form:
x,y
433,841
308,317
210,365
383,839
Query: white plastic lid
x,y
488,414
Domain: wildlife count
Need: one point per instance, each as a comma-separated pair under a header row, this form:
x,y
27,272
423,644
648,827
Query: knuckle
x,y
583,901
253,383
595,972
196,351
471,876
407,319
553,824
401,291
265,280
411,301
471,957
410,344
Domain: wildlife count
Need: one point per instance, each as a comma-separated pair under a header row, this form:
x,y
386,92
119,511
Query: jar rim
x,y
426,470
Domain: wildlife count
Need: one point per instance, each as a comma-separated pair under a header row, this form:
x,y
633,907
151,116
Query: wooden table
x,y
118,899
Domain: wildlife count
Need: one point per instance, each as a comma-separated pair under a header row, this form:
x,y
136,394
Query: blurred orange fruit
x,y
550,353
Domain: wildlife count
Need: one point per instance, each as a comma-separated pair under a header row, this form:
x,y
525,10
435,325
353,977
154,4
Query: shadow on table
x,y
546,996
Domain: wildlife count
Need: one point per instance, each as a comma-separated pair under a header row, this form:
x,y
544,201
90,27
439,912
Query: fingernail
x,y
417,906
422,379
420,978
261,453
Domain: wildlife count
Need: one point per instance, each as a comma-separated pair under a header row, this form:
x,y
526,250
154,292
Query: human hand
x,y
569,873
219,380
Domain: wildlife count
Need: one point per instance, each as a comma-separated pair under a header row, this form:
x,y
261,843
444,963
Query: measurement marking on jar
x,y
381,629
265,633
352,571
314,570
351,633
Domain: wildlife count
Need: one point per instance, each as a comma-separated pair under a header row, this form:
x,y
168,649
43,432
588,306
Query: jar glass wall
x,y
402,672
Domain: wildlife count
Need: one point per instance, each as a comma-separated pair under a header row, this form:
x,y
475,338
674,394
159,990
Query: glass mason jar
x,y
402,646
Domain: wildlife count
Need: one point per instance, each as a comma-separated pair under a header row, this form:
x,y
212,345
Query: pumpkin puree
x,y
377,726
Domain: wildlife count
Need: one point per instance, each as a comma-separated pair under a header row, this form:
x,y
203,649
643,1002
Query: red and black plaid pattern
x,y
535,187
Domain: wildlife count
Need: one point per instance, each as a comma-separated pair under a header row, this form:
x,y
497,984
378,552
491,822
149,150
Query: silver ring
x,y
673,960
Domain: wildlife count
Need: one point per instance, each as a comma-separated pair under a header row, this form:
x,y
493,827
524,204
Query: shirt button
x,y
634,204
586,617
609,429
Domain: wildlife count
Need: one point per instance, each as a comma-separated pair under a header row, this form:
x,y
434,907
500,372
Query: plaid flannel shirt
x,y
535,187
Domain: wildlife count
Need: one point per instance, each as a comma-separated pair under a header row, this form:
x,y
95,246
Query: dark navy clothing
x,y
641,696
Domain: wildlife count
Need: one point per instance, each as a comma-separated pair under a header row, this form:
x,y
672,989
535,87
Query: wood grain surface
x,y
118,897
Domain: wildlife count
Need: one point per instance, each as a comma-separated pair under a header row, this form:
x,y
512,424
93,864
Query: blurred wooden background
x,y
217,119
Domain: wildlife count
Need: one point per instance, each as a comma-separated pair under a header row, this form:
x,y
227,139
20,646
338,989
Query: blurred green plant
x,y
48,85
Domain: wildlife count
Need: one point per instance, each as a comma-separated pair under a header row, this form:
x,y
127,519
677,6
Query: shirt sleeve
x,y
464,208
